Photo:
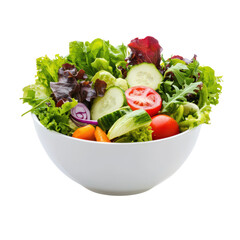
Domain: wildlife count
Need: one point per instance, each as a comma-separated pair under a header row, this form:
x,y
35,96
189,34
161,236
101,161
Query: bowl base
x,y
117,193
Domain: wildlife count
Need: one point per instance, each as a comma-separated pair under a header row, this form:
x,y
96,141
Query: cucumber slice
x,y
105,122
113,99
129,122
144,74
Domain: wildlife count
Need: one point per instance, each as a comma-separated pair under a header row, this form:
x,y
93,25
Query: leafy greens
x,y
56,118
142,134
97,55
62,82
186,82
188,90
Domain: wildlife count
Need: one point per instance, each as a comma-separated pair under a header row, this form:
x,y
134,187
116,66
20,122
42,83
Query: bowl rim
x,y
35,119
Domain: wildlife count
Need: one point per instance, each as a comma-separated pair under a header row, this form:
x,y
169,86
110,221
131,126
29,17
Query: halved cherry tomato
x,y
140,97
163,126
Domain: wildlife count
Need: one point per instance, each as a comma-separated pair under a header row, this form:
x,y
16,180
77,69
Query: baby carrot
x,y
86,132
100,135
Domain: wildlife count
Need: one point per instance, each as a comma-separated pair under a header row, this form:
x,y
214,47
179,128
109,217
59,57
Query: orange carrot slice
x,y
87,132
100,135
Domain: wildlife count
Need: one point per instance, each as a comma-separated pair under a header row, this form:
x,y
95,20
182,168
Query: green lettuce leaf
x,y
80,55
122,83
142,134
174,61
211,86
101,64
117,54
110,80
105,76
193,69
83,54
120,64
166,89
194,120
47,69
56,118
35,93
178,114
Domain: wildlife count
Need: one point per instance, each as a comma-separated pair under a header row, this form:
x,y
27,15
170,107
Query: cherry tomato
x,y
163,126
146,98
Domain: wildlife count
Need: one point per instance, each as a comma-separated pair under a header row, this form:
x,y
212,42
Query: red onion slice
x,y
83,122
77,123
81,114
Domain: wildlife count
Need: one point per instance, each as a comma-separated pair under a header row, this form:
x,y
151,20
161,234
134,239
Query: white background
x,y
201,201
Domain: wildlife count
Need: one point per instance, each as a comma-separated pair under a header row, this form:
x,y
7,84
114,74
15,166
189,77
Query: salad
x,y
130,93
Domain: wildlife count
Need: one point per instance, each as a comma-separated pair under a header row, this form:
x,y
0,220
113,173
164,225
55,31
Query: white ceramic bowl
x,y
117,168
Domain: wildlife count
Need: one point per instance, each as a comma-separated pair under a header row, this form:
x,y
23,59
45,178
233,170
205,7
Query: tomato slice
x,y
140,97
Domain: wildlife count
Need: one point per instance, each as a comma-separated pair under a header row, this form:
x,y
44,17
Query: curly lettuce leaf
x,y
56,118
211,86
83,54
142,134
47,69
194,120
80,57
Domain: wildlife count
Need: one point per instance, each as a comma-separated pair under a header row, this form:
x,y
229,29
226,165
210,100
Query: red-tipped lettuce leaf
x,y
68,87
86,91
100,87
145,50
